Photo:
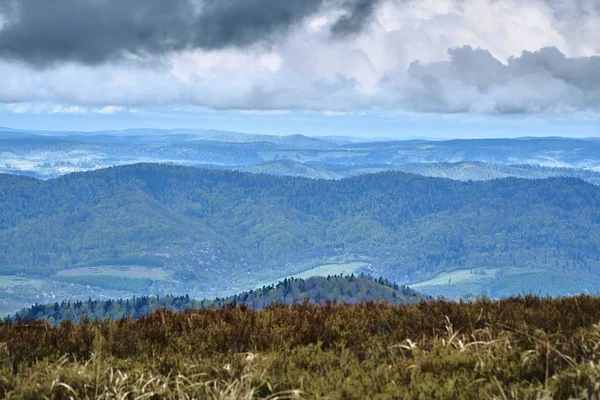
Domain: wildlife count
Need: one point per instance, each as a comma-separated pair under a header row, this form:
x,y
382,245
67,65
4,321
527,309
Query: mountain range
x,y
45,154
463,171
150,228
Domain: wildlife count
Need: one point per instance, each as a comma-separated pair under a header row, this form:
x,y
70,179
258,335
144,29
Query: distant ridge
x,y
285,167
462,171
348,289
204,134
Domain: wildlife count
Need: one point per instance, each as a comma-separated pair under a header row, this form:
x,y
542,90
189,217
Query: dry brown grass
x,y
512,349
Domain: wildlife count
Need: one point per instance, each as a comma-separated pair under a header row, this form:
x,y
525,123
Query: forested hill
x,y
343,289
215,228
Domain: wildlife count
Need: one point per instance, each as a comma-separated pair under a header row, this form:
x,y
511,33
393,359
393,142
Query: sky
x,y
364,68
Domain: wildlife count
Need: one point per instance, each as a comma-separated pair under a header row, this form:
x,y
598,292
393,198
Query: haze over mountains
x,y
463,171
45,154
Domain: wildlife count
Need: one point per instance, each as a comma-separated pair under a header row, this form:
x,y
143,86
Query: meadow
x,y
332,268
119,271
505,282
525,348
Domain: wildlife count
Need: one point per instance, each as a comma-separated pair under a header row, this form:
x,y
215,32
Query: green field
x,y
456,277
331,269
11,280
155,274
323,270
497,283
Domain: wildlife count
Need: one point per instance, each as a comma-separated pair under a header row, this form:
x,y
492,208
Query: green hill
x,y
316,290
166,229
462,171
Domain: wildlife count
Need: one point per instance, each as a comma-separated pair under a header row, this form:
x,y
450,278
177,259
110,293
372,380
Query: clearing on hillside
x,y
120,271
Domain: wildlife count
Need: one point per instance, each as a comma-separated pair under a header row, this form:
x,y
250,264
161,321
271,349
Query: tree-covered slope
x,y
217,227
462,171
317,290
288,167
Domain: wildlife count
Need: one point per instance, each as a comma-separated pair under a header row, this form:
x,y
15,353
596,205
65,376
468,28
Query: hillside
x,y
463,171
472,170
151,228
291,168
316,290
518,348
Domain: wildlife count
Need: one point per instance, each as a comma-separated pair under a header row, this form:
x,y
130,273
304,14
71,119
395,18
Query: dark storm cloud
x,y
359,12
42,32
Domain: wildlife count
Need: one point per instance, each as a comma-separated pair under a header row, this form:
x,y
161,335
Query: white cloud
x,y
271,61
68,110
264,112
18,108
109,110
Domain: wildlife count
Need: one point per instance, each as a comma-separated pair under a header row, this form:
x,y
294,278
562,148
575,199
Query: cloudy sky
x,y
379,68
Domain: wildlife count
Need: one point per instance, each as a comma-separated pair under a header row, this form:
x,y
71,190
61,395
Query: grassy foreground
x,y
520,348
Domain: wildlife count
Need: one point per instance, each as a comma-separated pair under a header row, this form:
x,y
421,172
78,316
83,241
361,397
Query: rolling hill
x,y
46,154
151,228
463,171
291,168
315,290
